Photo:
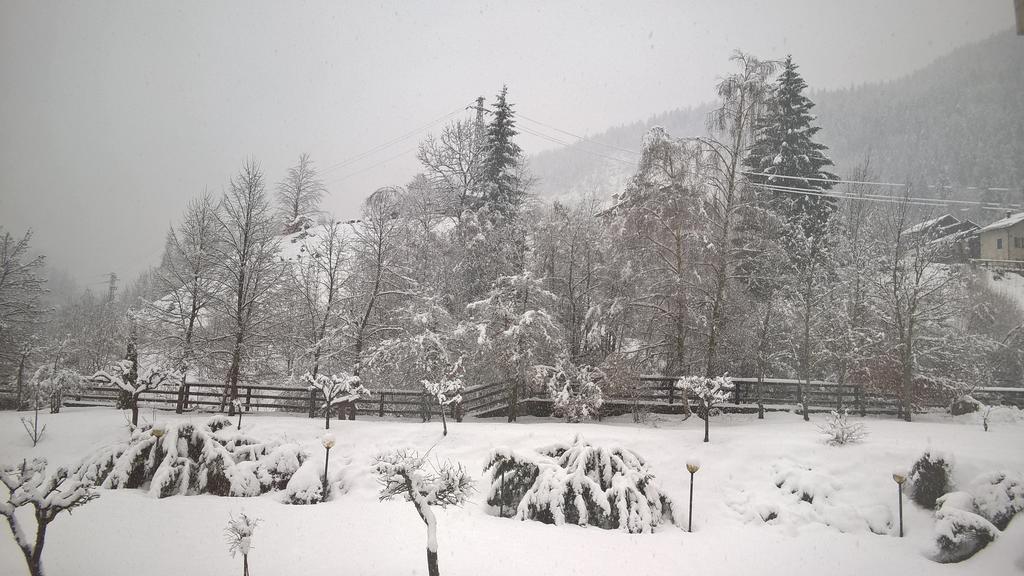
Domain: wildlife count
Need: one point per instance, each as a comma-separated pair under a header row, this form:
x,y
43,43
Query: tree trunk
x,y
135,411
432,563
444,423
707,422
21,381
35,564
245,565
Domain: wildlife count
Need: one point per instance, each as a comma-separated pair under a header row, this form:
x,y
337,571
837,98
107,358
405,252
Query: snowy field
x,y
129,532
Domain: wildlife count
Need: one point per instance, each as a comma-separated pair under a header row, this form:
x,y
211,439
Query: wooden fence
x,y
260,398
655,393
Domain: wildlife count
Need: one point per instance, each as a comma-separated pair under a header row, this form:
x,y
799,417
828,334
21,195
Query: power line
x,y
391,142
581,138
895,184
372,166
555,140
917,201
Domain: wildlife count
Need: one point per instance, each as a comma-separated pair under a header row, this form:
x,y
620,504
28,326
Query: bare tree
x,y
248,268
186,284
742,99
454,165
299,194
21,308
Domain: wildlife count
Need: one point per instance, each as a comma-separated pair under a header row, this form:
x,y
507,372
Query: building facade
x,y
1003,239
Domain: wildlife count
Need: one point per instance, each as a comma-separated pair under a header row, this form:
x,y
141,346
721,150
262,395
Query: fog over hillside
x,y
958,121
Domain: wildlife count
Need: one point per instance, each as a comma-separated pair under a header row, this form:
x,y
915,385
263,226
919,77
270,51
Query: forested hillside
x,y
958,121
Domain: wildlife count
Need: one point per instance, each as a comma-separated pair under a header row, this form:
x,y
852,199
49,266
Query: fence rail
x,y
652,392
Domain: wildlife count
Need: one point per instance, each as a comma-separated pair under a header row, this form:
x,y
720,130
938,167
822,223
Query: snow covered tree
x,y
514,331
185,282
574,389
49,495
742,99
785,155
839,431
299,195
320,275
132,380
380,283
405,473
502,162
248,269
21,306
335,389
239,537
446,391
709,392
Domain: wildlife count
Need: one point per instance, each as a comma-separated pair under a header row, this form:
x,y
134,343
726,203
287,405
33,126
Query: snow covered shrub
x,y
218,422
573,389
964,405
49,495
959,532
183,459
578,483
839,431
709,392
998,497
404,473
929,478
239,537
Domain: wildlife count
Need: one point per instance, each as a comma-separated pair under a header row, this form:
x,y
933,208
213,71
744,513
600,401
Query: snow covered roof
x,y
1011,220
944,220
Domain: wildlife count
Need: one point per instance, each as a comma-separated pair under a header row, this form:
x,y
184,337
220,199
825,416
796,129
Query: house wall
x,y
1012,243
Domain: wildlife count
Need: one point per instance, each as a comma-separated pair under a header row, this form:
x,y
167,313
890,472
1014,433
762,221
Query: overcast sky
x,y
113,114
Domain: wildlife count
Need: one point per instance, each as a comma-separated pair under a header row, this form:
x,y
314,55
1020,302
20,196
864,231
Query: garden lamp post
x,y
157,431
900,478
692,466
328,442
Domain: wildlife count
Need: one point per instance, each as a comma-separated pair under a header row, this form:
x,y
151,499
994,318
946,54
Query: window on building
x,y
1018,242
999,243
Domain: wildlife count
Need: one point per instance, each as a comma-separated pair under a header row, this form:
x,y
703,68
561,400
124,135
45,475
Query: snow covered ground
x,y
128,532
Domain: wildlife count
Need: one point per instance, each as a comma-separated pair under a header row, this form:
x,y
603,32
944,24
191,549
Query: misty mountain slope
x,y
960,120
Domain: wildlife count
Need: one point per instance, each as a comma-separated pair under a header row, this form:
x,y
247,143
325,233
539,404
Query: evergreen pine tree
x,y
504,193
785,150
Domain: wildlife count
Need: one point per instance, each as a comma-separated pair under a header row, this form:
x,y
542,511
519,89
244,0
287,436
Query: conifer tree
x,y
502,160
785,154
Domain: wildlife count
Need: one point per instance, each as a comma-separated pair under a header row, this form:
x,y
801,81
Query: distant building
x,y
954,240
1003,239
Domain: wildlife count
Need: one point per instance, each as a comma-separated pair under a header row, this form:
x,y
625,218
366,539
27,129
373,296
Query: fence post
x,y
736,390
859,391
312,403
671,392
381,412
248,397
181,399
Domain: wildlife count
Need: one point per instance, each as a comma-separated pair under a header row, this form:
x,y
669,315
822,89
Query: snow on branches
x,y
573,388
239,537
708,392
404,473
186,459
335,389
839,431
28,484
610,487
133,382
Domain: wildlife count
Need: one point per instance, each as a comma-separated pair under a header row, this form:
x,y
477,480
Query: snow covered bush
x,y
929,478
49,495
239,537
335,389
708,392
405,473
578,483
184,460
964,405
573,388
959,531
218,422
839,431
998,497
54,385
